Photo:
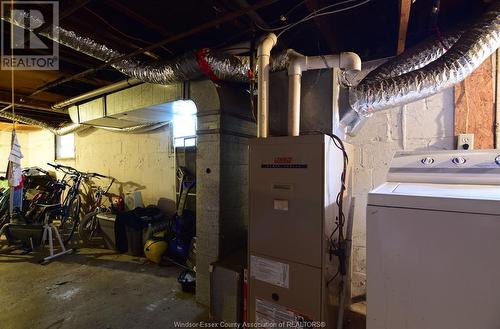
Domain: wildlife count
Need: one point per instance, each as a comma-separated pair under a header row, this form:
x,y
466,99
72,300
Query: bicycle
x,y
35,180
89,225
67,212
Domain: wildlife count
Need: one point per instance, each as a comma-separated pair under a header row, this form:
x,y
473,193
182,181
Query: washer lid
x,y
483,199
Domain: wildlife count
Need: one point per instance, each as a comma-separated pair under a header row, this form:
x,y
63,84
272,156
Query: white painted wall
x,y
137,161
142,161
423,125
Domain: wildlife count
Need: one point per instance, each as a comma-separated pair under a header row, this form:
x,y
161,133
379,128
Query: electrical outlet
x,y
465,142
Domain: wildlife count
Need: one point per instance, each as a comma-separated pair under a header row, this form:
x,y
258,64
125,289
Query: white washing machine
x,y
433,242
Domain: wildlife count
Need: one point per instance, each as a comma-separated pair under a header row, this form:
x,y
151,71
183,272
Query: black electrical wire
x,y
338,246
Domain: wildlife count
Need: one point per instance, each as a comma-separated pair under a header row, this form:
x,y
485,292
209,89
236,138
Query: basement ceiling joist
x,y
371,30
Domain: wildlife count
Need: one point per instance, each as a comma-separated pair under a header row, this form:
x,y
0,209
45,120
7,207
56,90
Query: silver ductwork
x,y
139,129
192,65
413,59
70,128
75,127
469,51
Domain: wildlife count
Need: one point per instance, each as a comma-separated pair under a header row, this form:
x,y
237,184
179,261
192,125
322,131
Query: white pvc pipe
x,y
294,86
263,57
346,61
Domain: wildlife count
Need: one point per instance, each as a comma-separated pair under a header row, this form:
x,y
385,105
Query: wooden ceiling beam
x,y
72,8
176,37
137,17
252,14
22,101
330,35
108,35
41,116
404,18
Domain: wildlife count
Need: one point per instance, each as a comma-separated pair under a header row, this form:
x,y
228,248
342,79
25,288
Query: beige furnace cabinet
x,y
294,183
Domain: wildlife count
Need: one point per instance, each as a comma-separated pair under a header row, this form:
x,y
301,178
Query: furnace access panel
x,y
294,182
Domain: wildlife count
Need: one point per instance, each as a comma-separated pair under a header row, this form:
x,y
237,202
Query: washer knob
x,y
458,160
497,160
428,161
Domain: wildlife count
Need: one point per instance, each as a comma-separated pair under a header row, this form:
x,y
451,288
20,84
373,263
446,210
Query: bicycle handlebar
x,y
72,171
94,174
43,171
66,169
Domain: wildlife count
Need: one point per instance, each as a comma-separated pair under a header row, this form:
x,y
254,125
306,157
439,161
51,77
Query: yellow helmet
x,y
154,249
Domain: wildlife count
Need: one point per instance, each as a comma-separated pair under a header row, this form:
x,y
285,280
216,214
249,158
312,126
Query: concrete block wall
x,y
424,125
207,210
234,193
144,162
222,191
224,126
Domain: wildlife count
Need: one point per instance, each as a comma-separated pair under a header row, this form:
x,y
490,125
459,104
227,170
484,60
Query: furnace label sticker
x,y
274,315
283,165
269,271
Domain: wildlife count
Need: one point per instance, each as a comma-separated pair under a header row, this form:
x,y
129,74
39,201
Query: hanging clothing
x,y
15,174
14,170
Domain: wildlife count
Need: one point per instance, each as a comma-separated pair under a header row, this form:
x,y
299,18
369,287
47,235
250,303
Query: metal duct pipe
x,y
75,127
98,92
413,59
470,50
346,61
135,129
263,59
186,67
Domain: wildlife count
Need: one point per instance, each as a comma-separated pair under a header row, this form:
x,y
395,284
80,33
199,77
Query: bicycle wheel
x,y
70,222
4,219
89,227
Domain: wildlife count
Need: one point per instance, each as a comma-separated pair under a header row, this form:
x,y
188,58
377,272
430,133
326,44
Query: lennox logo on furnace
x,y
283,160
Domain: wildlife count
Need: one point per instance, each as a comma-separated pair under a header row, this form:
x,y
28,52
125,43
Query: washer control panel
x,y
448,159
471,167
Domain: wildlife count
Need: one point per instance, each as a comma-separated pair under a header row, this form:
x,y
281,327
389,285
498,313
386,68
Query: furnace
x,y
294,185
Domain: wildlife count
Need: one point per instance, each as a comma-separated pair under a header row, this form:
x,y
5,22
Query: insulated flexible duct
x,y
192,65
71,128
139,129
75,127
413,59
469,51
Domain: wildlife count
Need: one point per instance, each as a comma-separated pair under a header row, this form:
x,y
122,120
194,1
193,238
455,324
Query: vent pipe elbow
x,y
350,62
263,59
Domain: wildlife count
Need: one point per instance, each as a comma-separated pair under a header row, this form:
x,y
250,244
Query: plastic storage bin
x,y
107,225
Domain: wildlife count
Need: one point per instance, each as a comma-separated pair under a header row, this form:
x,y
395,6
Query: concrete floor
x,y
93,288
